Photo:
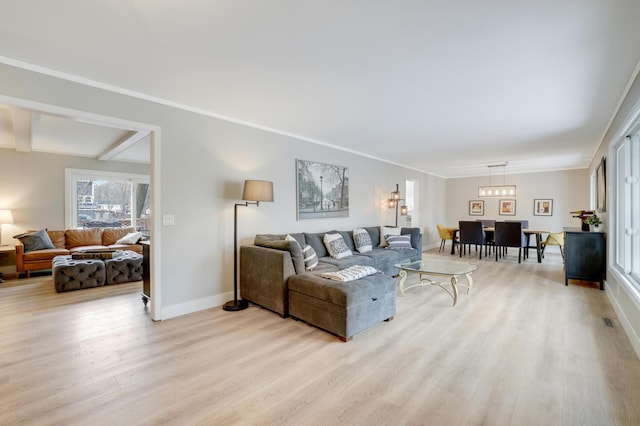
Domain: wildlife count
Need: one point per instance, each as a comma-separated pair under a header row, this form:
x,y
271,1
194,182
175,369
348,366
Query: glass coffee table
x,y
437,268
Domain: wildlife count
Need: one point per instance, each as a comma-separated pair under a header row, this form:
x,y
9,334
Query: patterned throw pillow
x,y
401,242
386,231
308,254
336,246
362,240
310,257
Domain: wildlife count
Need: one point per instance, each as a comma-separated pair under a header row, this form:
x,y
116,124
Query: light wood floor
x,y
521,349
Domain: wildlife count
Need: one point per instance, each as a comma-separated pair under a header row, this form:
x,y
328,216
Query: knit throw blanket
x,y
351,273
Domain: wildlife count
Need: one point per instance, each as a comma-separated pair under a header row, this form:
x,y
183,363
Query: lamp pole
x,y
321,196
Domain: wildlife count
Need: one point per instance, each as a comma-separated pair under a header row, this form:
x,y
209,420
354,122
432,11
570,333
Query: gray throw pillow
x,y
399,242
38,240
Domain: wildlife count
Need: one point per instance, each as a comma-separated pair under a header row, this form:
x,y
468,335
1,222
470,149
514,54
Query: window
x,y
627,229
409,187
98,199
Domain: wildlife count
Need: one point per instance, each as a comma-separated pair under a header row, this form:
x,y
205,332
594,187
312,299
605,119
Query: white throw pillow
x,y
130,238
362,240
385,231
336,246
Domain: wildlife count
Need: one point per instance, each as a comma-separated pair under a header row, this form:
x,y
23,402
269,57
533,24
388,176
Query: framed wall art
x,y
322,190
507,208
476,208
543,207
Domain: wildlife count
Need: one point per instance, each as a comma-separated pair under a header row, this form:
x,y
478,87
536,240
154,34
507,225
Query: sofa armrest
x,y
263,277
19,258
416,237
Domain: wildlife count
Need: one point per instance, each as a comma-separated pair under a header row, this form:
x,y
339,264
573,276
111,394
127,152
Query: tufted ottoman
x,y
340,308
75,274
124,268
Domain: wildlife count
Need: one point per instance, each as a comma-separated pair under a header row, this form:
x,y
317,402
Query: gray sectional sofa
x,y
273,275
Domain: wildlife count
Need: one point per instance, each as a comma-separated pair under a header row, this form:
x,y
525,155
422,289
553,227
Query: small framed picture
x,y
543,207
507,208
476,208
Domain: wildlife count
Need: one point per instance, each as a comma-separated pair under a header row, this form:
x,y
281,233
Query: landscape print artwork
x,y
322,190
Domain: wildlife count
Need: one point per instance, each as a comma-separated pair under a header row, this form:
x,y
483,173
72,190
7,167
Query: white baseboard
x,y
624,320
195,305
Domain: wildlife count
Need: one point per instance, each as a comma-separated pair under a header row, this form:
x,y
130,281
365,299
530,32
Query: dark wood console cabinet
x,y
146,272
584,256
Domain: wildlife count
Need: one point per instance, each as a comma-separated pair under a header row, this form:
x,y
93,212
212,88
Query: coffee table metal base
x,y
425,280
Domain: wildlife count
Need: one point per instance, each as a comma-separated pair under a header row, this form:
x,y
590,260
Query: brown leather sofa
x,y
69,242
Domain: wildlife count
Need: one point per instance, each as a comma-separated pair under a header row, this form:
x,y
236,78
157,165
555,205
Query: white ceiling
x,y
442,86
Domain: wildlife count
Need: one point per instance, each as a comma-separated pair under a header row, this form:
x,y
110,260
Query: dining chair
x,y
471,232
525,225
509,234
554,239
488,223
445,234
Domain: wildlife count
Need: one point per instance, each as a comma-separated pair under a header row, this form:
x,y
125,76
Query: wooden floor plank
x,y
522,348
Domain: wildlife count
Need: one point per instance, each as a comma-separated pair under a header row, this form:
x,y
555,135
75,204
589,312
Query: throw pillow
x,y
401,242
336,246
38,240
385,231
310,257
362,240
308,254
130,238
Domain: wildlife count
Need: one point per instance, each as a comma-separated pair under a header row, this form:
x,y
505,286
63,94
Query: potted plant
x,y
594,222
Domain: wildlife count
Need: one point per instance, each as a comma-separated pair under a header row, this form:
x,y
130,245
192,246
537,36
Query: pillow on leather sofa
x,y
130,238
38,240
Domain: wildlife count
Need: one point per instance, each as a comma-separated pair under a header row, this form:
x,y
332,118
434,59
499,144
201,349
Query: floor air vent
x,y
607,322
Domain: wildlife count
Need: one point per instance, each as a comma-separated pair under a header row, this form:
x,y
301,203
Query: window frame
x,y
72,176
625,241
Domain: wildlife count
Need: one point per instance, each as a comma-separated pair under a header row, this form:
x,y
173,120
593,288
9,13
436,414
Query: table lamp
x,y
5,218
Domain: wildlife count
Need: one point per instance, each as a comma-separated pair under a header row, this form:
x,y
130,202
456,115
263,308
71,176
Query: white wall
x,y
625,300
569,190
203,162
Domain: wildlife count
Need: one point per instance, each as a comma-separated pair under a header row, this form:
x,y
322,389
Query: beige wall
x,y
200,163
32,185
569,190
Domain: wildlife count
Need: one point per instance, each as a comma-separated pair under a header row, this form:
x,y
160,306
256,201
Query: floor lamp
x,y
254,192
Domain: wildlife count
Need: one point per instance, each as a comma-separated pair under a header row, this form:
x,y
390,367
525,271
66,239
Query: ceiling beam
x,y
23,128
122,144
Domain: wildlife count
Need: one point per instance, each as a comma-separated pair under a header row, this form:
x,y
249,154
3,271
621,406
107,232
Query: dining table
x,y
537,233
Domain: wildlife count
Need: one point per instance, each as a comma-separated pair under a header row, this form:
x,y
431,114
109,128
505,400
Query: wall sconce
x,y
254,192
394,201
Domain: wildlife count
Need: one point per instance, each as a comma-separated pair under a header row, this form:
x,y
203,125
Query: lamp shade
x,y
257,190
6,217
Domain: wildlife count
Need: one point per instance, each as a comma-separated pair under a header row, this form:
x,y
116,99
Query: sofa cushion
x,y
362,240
336,246
343,294
112,235
46,254
315,240
57,238
416,237
279,242
38,240
83,237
